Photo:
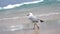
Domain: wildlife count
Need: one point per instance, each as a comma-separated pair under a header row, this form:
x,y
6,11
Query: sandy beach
x,y
50,14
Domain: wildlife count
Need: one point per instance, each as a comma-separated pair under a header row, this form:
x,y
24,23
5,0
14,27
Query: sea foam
x,y
18,5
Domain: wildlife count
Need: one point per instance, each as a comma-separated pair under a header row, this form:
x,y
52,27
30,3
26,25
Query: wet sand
x,y
47,27
9,24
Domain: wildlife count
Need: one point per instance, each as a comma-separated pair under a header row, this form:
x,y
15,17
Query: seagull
x,y
34,19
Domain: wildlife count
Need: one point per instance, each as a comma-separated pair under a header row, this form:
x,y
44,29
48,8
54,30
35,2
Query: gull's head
x,y
29,14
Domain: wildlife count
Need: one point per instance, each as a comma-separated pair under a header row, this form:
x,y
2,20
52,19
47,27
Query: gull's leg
x,y
34,26
37,25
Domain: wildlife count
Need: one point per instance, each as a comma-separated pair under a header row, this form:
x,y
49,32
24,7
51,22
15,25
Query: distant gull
x,y
34,19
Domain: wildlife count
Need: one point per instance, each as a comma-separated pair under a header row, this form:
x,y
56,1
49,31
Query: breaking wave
x,y
19,5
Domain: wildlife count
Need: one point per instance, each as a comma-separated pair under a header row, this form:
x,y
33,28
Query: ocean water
x,y
26,4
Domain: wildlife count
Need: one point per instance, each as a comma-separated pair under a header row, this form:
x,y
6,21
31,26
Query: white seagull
x,y
34,19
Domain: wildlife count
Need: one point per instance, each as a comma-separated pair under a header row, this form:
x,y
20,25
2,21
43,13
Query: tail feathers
x,y
41,21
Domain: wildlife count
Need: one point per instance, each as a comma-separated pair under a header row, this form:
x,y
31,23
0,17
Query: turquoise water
x,y
43,3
